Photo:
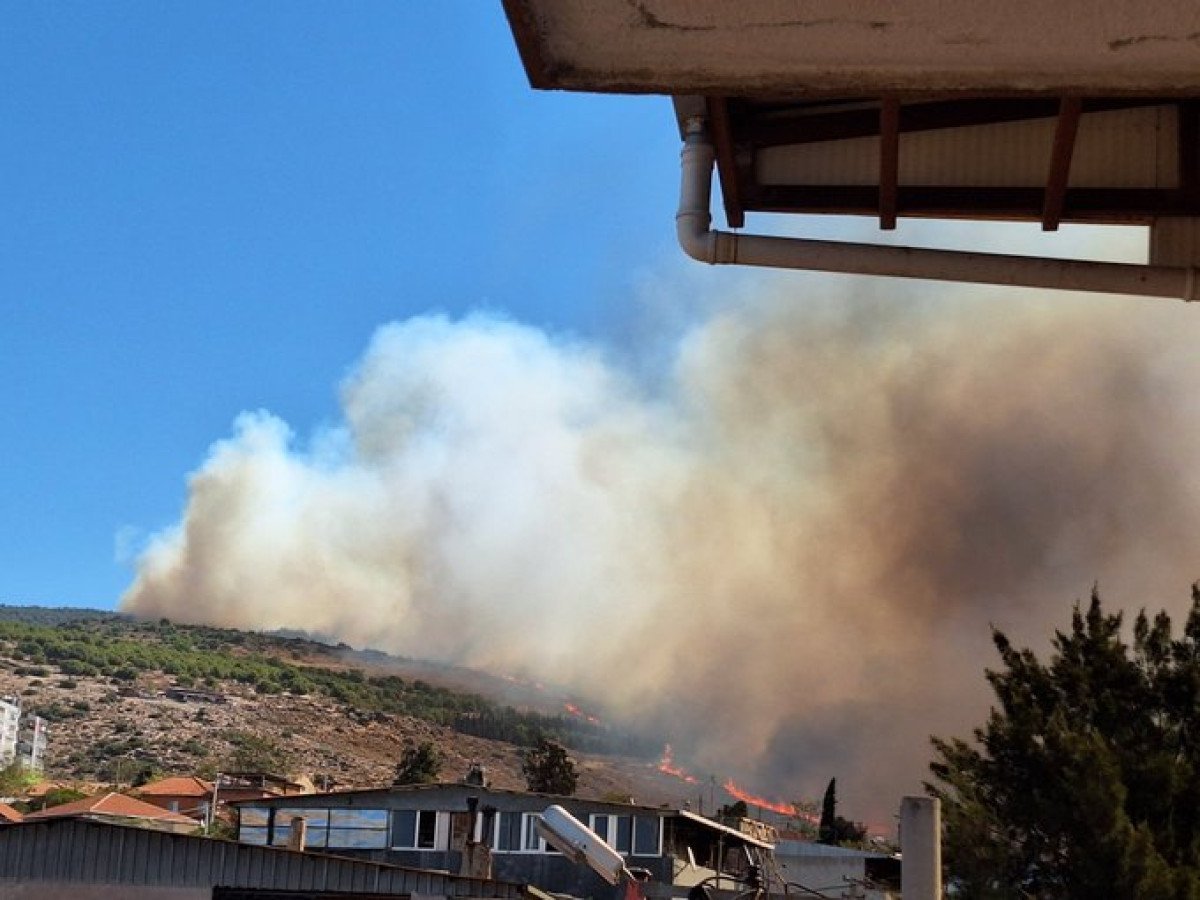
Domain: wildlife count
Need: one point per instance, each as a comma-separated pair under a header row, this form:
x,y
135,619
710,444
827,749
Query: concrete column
x,y
921,848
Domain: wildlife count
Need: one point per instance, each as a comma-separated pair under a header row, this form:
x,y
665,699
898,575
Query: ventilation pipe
x,y
702,243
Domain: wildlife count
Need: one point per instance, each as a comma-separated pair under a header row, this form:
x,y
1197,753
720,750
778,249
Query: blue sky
x,y
208,208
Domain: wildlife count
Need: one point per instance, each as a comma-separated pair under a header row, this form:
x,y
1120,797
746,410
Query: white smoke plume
x,y
786,552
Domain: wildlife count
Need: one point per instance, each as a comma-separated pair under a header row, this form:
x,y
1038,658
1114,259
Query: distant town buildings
x,y
22,737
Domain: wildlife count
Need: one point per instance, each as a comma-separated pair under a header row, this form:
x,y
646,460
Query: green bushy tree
x,y
548,769
1085,780
419,764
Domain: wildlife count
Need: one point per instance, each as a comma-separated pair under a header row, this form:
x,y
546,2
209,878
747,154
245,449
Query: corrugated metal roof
x,y
439,786
72,850
717,826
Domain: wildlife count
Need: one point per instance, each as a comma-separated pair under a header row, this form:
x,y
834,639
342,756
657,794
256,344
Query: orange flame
x,y
784,809
579,713
667,766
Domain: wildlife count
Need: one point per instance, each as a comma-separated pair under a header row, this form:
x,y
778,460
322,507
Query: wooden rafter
x,y
889,161
1124,205
1060,162
722,135
1189,149
780,129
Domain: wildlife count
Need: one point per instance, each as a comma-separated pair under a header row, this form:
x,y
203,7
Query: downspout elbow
x,y
695,237
693,221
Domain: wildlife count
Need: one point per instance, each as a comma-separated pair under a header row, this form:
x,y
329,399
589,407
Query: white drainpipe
x,y
701,242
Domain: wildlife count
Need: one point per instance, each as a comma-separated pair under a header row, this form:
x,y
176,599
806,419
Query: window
x,y
629,835
508,832
599,824
533,840
357,829
316,826
647,836
516,832
253,825
414,829
615,830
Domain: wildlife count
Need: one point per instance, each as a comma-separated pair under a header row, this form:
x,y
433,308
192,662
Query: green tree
x,y
548,769
1085,780
828,814
833,829
419,764
254,753
16,779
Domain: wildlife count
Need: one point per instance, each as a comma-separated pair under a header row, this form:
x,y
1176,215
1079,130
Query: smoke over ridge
x,y
786,551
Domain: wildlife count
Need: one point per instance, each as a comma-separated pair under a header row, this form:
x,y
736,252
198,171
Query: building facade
x,y
22,737
442,826
10,722
31,742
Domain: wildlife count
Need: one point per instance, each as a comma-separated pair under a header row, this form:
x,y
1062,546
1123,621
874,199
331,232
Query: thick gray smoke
x,y
787,552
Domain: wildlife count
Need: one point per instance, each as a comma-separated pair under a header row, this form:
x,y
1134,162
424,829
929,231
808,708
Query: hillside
x,y
328,713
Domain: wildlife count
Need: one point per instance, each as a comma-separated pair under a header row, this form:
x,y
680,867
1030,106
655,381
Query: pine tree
x,y
419,764
829,814
548,769
1085,780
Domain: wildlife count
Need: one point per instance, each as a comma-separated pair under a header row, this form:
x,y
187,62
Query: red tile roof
x,y
8,814
177,786
112,805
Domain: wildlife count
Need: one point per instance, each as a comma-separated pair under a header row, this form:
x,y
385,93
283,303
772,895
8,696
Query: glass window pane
x,y
624,829
426,829
645,836
508,835
255,816
404,828
316,818
357,839
252,835
533,840
600,826
358,818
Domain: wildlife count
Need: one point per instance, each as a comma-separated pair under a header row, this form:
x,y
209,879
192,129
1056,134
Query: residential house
x,y
184,794
232,786
118,809
442,826
8,815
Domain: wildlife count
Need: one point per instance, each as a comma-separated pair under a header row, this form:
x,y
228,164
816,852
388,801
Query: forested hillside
x,y
103,677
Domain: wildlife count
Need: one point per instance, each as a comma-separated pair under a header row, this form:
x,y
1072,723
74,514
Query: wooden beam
x,y
722,135
778,129
1113,205
1189,149
1060,162
889,161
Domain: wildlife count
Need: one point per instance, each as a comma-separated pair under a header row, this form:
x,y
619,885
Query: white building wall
x,y
10,722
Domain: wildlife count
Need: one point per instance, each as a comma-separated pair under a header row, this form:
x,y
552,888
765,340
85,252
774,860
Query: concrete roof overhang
x,y
824,48
1037,110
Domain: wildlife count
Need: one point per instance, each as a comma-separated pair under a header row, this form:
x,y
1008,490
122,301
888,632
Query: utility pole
x,y
212,805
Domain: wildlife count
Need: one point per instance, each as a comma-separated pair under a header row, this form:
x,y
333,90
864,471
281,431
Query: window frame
x,y
419,816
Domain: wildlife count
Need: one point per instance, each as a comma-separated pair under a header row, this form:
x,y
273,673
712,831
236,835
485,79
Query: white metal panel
x,y
1127,148
852,161
1115,149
